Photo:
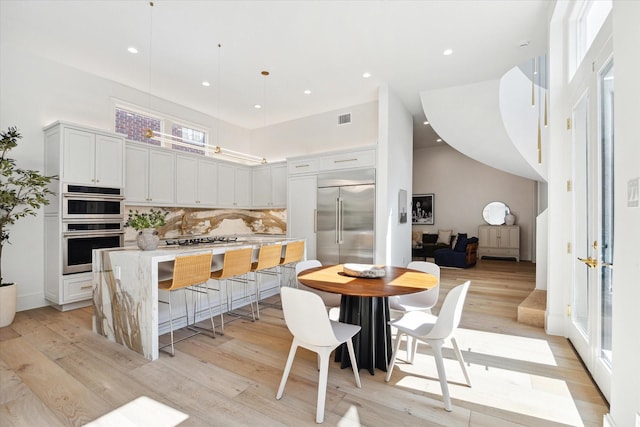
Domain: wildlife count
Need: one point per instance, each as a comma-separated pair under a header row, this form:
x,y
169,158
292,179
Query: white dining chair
x,y
419,301
330,300
434,331
308,322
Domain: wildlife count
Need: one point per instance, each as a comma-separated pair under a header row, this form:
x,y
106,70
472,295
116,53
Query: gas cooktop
x,y
194,241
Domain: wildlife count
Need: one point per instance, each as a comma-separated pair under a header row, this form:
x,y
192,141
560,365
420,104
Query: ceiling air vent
x,y
344,119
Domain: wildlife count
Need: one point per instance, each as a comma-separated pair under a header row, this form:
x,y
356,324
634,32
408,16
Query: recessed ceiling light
x,y
439,140
426,122
307,92
132,49
447,52
366,75
206,83
258,106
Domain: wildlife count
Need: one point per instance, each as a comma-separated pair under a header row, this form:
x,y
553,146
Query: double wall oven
x,y
92,218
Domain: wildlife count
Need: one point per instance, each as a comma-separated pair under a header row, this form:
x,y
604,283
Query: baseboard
x,y
554,324
30,301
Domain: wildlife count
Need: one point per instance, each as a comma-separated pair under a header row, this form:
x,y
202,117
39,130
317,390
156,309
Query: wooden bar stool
x,y
293,253
268,260
189,271
237,263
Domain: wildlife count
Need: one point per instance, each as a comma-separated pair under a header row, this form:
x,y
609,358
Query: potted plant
x,y
22,193
146,225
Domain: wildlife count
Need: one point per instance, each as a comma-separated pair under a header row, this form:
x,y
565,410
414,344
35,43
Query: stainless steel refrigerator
x,y
346,217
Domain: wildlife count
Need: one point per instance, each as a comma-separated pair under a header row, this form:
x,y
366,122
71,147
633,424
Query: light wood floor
x,y
54,371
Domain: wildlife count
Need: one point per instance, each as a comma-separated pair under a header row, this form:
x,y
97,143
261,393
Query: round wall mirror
x,y
495,212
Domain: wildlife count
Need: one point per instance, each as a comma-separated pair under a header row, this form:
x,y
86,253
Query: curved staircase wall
x,y
491,122
521,119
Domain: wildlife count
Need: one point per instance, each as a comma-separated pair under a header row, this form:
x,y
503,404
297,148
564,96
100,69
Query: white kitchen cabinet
x,y
85,156
150,175
500,241
364,157
234,186
301,211
196,181
303,166
269,186
348,160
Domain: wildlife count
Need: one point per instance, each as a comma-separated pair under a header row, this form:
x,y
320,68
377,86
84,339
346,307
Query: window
x,y
190,136
135,123
588,21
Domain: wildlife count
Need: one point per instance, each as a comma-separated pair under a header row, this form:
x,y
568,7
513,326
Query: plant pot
x,y
148,239
8,302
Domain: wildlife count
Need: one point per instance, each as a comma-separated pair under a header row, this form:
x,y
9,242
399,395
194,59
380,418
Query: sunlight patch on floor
x,y
532,395
488,357
507,346
350,418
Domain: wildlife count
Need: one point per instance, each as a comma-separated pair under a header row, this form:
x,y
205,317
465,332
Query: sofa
x,y
464,254
425,245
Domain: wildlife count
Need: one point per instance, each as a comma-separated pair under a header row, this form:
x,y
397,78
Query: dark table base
x,y
372,345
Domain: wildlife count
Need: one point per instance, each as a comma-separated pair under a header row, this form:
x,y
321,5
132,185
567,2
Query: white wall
x,y
394,170
319,133
37,92
625,383
463,186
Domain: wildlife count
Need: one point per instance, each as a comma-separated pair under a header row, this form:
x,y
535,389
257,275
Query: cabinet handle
x,y
302,166
86,287
315,220
345,160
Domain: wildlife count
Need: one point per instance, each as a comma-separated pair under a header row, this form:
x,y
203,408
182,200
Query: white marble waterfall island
x,y
125,290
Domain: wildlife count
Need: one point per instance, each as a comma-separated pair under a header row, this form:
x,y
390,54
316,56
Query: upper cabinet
x,y
234,186
353,159
196,181
349,160
269,186
150,175
88,156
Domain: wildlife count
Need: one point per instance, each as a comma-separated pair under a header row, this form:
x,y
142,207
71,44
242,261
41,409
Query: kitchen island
x,y
125,290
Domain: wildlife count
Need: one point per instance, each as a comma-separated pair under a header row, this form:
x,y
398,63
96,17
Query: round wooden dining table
x,y
365,302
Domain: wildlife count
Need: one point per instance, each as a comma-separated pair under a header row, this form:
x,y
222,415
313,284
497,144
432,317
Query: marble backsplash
x,y
215,222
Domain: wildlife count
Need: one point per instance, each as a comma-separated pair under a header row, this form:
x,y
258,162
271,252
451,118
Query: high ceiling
x,y
322,46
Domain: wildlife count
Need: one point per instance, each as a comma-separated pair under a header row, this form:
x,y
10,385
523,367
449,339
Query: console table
x,y
499,241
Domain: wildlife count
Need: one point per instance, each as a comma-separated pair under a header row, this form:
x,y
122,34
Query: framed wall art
x,y
422,209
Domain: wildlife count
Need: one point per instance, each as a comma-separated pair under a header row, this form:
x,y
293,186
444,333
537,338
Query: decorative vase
x,y
148,239
8,303
509,219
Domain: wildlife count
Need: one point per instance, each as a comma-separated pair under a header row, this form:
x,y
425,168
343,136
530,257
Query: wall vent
x,y
344,119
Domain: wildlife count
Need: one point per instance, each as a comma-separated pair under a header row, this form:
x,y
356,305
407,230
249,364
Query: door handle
x,y
341,215
338,221
591,262
607,264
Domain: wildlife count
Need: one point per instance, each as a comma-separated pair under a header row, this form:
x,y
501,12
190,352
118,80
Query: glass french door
x,y
593,138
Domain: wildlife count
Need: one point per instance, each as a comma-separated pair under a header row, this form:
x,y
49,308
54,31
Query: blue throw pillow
x,y
461,244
